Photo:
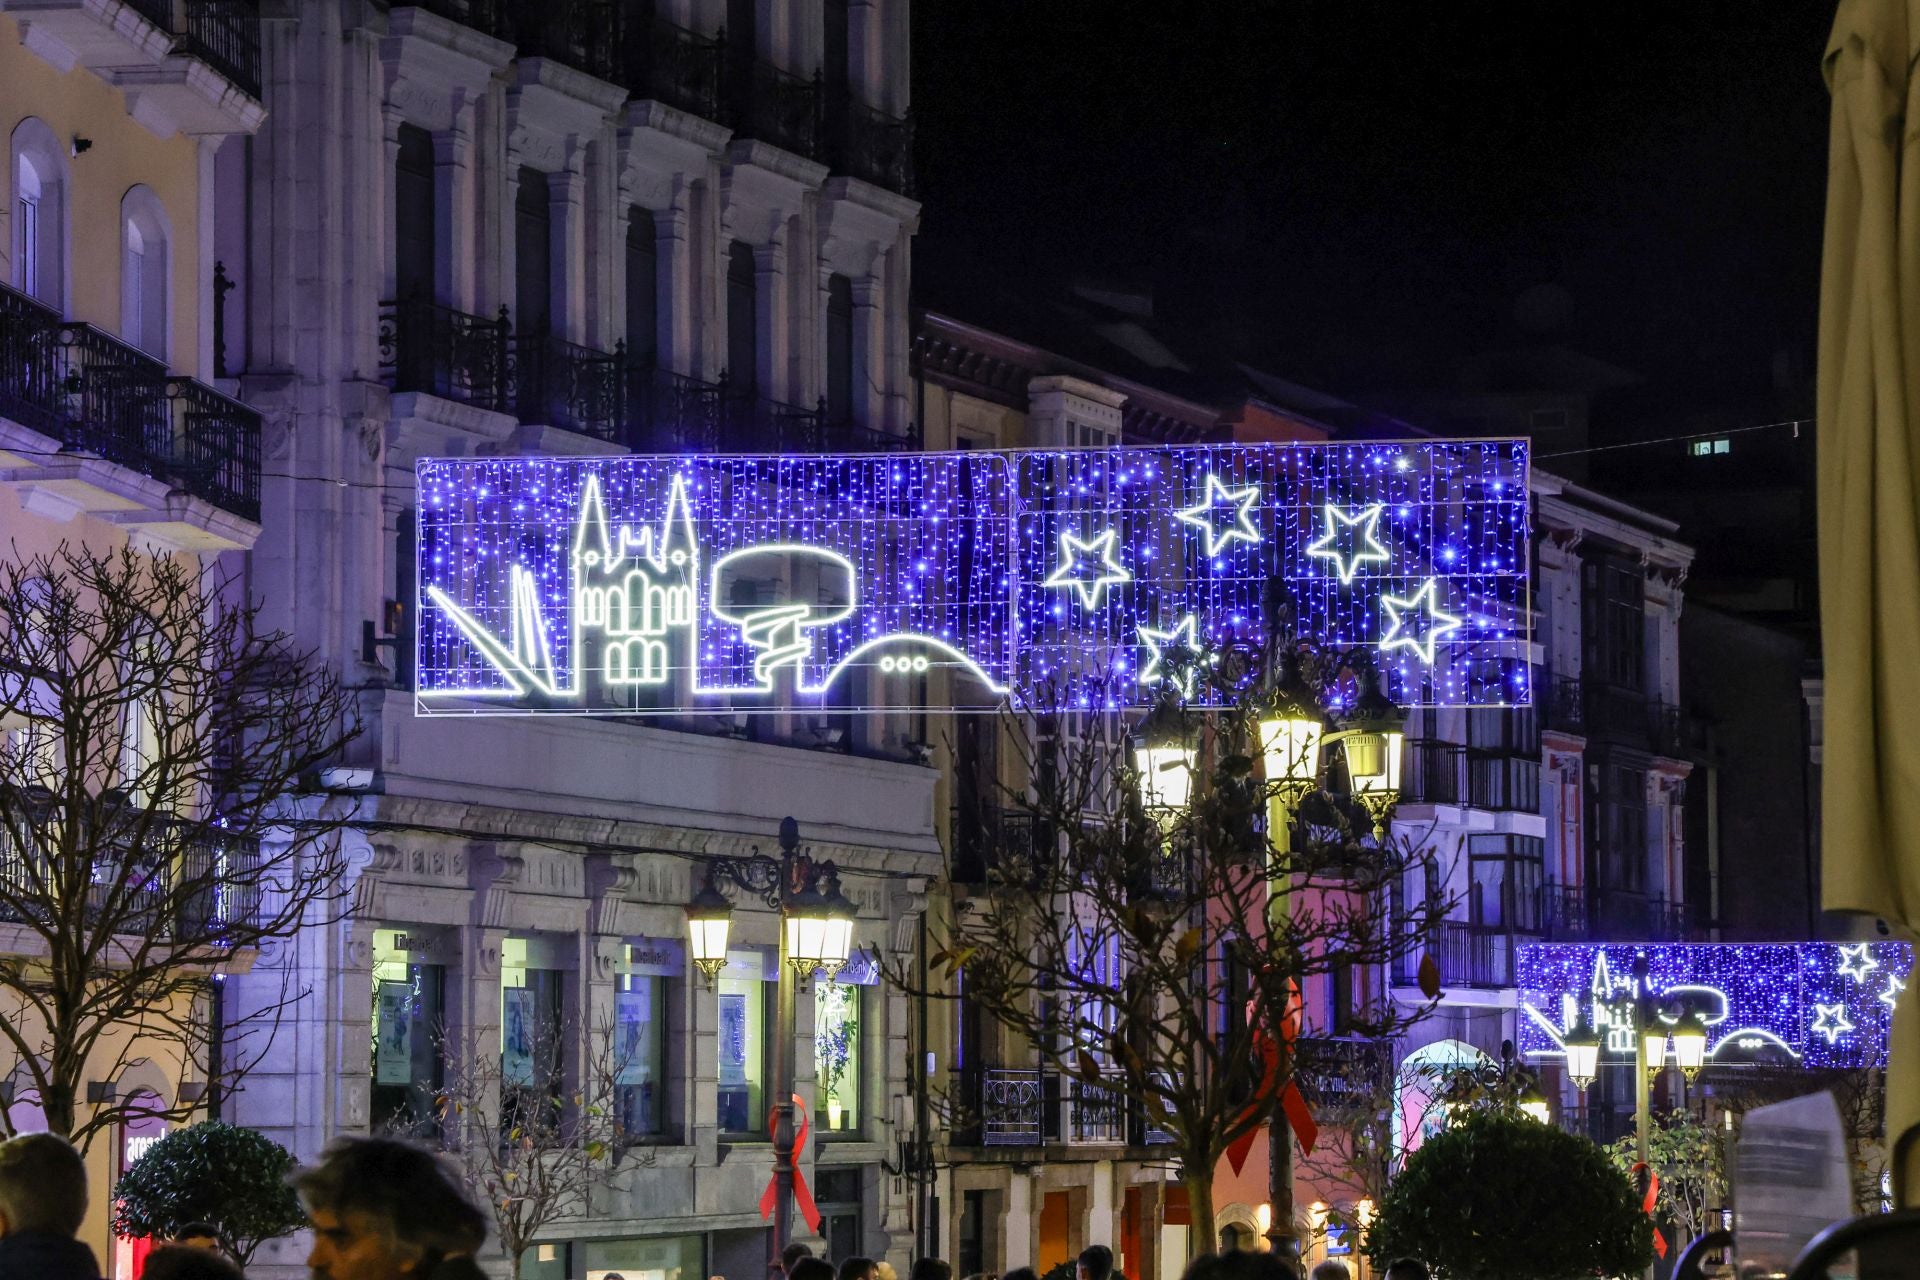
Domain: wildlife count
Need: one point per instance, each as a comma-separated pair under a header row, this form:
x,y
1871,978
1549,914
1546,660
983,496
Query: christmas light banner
x,y
1817,1005
1084,579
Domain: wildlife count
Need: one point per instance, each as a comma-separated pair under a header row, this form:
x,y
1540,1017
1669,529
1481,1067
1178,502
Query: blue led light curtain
x,y
670,584
1810,1004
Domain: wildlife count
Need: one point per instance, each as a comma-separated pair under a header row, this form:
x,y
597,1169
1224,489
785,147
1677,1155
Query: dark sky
x,y
1356,192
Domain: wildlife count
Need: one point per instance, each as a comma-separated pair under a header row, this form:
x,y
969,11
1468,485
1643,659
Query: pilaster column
x,y
507,250
391,120
774,336
676,336
567,235
453,213
869,350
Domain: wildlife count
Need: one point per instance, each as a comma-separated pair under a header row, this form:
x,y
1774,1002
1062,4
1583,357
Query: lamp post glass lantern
x,y
816,933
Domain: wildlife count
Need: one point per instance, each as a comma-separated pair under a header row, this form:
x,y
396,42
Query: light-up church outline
x,y
642,596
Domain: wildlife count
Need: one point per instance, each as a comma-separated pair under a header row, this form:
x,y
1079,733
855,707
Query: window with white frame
x,y
39,175
145,250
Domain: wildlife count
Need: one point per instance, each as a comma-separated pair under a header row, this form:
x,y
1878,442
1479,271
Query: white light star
x,y
1440,623
1181,636
1856,963
1894,987
1111,570
1830,1020
1200,514
1366,523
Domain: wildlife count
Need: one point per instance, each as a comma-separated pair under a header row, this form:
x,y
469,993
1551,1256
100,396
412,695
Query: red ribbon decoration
x,y
1653,1198
1292,1101
802,1194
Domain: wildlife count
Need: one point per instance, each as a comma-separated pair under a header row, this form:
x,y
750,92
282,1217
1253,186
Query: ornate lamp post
x,y
816,932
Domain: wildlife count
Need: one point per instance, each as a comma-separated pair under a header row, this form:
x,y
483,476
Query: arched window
x,y
39,173
145,260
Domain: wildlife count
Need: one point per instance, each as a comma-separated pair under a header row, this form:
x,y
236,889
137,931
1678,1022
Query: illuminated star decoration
x,y
1159,643
1362,529
1440,623
1112,572
1855,963
1894,987
1830,1020
1200,514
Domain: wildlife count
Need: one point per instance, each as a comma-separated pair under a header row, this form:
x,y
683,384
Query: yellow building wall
x,y
124,154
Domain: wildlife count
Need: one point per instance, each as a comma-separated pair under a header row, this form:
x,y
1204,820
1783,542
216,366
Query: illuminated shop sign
x,y
1080,579
1811,1004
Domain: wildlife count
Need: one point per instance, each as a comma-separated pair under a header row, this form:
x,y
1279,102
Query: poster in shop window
x,y
393,1041
516,1035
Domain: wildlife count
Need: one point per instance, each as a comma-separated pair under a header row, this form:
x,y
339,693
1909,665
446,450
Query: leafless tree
x,y
1134,949
532,1137
158,822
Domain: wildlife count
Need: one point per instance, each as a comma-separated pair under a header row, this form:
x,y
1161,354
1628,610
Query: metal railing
x,y
1566,705
1467,955
1030,1106
582,34
566,385
1564,916
189,881
95,394
225,34
986,838
681,68
874,146
434,349
776,106
1432,773
1502,782
1340,1079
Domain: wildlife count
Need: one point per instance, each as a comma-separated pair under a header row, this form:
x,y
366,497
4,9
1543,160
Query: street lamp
x,y
1583,1055
1690,1043
816,932
1372,743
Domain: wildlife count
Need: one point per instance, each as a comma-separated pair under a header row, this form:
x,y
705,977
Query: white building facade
x,y
497,228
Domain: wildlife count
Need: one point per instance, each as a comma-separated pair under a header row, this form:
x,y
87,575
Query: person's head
x,y
856,1269
792,1254
1096,1262
43,1186
185,1262
1332,1269
1406,1269
383,1209
1241,1264
1021,1273
931,1269
198,1235
811,1268
883,1270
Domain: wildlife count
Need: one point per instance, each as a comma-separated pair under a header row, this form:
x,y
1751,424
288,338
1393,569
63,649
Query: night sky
x,y
1357,194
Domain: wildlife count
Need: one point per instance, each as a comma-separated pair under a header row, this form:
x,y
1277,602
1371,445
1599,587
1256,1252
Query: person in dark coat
x,y
383,1209
43,1201
190,1262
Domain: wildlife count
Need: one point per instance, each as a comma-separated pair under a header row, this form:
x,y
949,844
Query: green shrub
x,y
1504,1197
232,1178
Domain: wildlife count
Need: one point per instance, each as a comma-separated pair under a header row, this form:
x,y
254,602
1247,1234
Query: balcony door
x,y
743,316
643,302
532,253
413,225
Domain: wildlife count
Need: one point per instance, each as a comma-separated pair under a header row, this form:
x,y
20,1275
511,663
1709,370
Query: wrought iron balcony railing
x,y
681,68
434,349
1432,773
1566,705
189,880
563,384
1341,1079
95,394
1032,1106
776,106
582,34
1467,955
1503,783
985,838
225,34
874,146
1563,913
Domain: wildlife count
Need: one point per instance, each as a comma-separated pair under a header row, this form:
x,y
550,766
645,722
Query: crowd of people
x,y
383,1209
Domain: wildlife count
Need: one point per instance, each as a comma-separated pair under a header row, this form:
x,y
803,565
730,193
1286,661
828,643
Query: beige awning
x,y
1869,498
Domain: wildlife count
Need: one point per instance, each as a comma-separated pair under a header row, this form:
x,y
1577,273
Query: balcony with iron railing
x,y
224,34
95,394
873,146
543,380
1037,1106
681,68
1431,772
776,106
1503,783
1468,955
1341,1079
1575,913
142,35
182,879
